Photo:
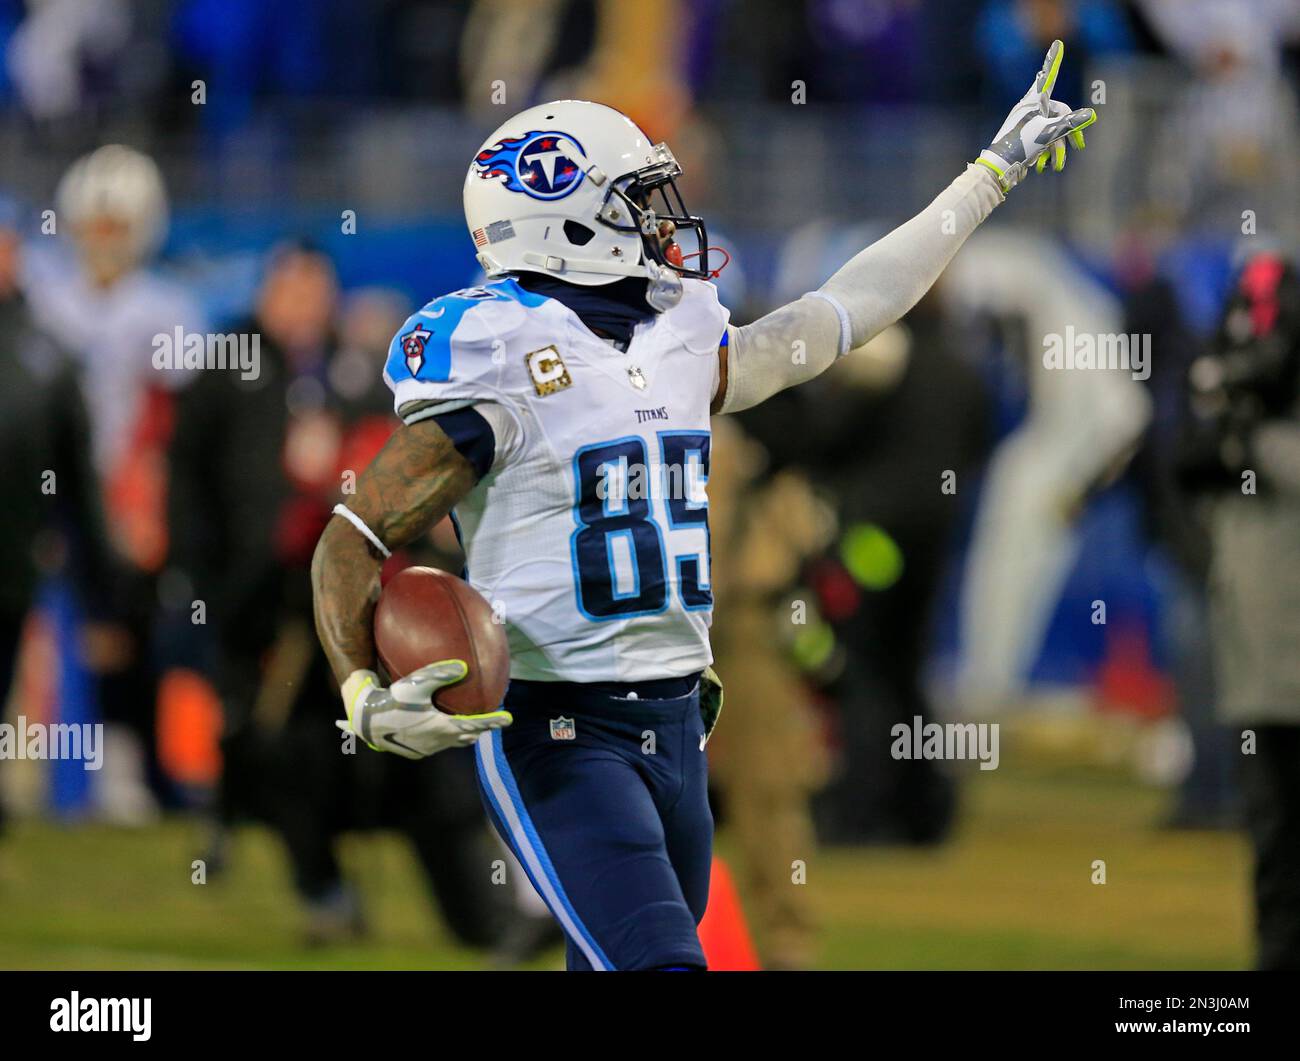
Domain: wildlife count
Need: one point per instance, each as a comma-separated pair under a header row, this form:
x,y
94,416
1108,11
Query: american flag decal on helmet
x,y
493,233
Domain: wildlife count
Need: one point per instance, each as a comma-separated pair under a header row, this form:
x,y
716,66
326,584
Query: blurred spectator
x,y
108,311
1219,153
1081,428
646,83
1202,31
257,466
765,760
879,435
65,52
53,522
512,44
1247,390
1177,530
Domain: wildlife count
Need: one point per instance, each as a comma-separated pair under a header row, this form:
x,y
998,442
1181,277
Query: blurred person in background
x,y
66,55
257,466
561,49
1245,458
108,310
53,522
1081,428
254,463
1219,152
879,432
517,45
766,762
1175,524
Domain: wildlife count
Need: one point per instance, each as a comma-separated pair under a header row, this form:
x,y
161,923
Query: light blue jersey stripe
x,y
499,783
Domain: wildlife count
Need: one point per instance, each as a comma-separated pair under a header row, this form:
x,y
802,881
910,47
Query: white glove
x,y
1035,124
402,718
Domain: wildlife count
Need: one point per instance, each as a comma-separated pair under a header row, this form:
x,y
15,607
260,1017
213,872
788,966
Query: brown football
x,y
424,616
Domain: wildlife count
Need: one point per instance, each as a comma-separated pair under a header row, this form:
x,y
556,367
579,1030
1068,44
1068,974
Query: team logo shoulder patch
x,y
413,343
543,165
563,729
547,371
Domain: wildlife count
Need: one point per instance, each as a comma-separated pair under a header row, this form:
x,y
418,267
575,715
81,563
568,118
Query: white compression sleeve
x,y
871,291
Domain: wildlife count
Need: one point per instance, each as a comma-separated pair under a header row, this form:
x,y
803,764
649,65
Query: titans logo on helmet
x,y
544,165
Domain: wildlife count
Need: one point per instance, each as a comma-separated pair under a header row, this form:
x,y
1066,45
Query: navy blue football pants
x,y
603,797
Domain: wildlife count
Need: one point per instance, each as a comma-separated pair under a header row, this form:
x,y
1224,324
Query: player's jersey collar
x,y
612,310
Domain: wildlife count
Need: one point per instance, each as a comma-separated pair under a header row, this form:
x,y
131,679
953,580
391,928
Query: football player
x,y
107,307
563,410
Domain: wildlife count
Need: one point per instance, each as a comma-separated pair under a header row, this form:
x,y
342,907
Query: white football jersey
x,y
590,533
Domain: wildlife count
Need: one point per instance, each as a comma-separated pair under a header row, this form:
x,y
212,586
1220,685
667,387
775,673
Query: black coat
x,y
53,516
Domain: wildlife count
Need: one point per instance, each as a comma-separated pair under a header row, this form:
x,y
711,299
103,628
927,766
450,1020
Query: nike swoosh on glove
x,y
1036,127
402,719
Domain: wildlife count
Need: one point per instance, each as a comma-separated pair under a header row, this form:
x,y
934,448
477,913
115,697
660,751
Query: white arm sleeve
x,y
801,340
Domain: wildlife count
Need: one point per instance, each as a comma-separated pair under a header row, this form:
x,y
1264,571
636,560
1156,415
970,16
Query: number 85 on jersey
x,y
635,516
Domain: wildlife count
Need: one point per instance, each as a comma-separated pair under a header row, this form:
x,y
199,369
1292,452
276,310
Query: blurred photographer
x,y
1244,460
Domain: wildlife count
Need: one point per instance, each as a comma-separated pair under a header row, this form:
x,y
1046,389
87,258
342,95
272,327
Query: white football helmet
x,y
568,189
119,182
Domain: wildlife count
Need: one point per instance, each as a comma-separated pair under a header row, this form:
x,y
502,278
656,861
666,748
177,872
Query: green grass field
x,y
1011,891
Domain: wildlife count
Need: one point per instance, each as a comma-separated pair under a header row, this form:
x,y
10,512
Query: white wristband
x,y
360,524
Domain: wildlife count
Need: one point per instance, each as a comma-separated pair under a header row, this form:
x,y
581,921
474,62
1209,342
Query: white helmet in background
x,y
120,183
577,191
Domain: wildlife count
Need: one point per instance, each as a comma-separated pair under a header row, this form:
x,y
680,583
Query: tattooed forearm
x,y
413,483
345,586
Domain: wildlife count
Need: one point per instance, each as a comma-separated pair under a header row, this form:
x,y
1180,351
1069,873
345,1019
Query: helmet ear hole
x,y
579,234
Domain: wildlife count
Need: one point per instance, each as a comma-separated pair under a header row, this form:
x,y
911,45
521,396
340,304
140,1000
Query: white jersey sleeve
x,y
451,353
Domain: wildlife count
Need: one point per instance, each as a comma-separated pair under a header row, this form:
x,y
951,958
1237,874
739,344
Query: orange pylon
x,y
724,935
189,728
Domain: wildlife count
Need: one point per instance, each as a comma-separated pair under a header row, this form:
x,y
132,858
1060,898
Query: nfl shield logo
x,y
562,729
